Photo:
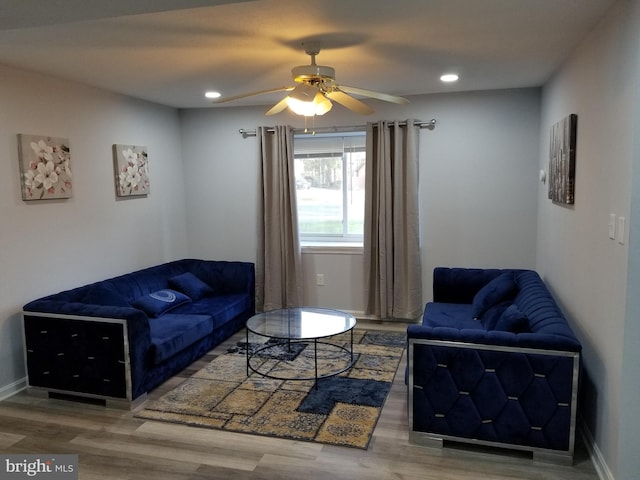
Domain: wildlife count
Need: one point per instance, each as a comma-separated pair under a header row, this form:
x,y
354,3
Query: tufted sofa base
x,y
491,395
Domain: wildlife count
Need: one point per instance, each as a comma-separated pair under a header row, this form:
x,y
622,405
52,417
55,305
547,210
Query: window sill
x,y
332,248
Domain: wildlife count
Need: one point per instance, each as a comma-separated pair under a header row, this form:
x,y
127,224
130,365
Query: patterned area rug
x,y
342,410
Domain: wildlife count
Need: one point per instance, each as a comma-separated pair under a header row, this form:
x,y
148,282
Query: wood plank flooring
x,y
113,444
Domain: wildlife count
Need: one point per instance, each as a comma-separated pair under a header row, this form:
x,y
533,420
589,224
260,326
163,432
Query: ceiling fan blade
x,y
278,107
349,102
253,94
368,93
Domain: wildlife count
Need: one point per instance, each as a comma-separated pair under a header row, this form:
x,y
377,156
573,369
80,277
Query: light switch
x,y
612,226
620,230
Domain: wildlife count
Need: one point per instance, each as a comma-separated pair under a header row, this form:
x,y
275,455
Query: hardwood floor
x,y
113,444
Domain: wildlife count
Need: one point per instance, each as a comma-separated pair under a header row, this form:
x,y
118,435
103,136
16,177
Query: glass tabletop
x,y
301,323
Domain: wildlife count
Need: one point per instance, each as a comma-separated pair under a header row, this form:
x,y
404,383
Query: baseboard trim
x,y
13,388
600,464
360,315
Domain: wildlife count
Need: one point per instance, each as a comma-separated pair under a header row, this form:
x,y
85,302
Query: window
x,y
330,179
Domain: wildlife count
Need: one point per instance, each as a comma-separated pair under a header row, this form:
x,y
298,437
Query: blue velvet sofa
x,y
493,363
117,339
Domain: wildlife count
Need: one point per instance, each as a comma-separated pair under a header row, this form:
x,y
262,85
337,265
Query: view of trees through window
x,y
330,180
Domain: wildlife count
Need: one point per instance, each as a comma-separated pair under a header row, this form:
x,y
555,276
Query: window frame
x,y
345,240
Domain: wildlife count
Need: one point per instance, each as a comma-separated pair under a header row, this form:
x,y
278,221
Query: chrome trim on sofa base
x,y
428,440
108,402
425,440
553,457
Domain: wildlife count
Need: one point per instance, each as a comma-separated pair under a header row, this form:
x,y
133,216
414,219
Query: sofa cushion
x,y
513,320
100,294
156,303
191,286
172,333
452,315
490,318
501,288
221,308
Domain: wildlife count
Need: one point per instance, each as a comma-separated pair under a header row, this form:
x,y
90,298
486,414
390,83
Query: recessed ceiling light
x,y
212,94
449,77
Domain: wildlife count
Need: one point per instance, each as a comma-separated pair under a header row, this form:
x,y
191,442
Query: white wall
x,y
585,269
478,182
221,183
48,246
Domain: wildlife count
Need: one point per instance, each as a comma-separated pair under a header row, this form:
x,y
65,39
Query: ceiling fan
x,y
315,87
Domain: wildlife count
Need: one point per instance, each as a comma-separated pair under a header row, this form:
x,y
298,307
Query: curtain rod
x,y
430,125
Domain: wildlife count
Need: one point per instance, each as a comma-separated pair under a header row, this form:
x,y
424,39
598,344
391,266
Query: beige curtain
x,y
279,267
393,273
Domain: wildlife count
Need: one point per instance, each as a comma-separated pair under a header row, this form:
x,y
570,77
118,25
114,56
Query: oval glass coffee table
x,y
296,329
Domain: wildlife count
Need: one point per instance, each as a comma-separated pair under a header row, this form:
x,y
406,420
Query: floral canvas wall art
x,y
131,166
45,167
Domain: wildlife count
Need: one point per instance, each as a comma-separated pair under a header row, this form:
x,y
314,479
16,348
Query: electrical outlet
x,y
320,279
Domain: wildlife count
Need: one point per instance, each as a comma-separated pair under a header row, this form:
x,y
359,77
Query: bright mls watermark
x,y
51,467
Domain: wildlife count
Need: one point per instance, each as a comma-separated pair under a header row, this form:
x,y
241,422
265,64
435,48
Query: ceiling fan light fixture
x,y
315,89
323,104
304,93
314,72
319,105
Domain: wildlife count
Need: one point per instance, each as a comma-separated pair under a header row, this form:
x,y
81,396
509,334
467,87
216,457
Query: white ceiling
x,y
172,51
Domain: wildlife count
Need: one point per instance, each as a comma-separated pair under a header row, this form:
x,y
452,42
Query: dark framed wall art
x,y
562,160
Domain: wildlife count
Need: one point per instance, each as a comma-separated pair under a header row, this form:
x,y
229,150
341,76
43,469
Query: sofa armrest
x,y
493,395
77,329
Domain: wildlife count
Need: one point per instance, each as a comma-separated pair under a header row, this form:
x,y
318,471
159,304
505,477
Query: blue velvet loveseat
x,y
493,363
117,339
